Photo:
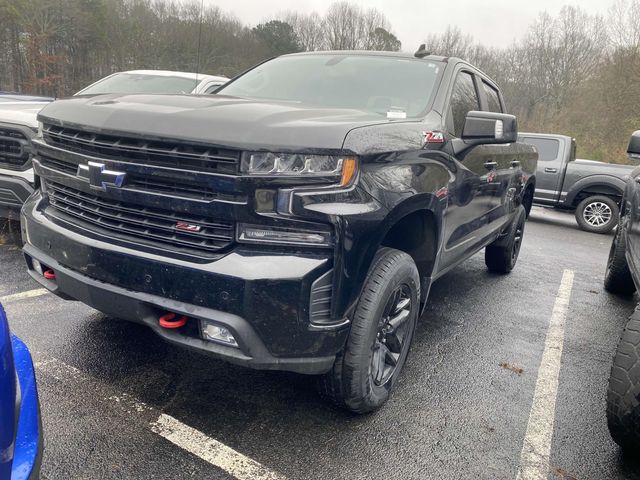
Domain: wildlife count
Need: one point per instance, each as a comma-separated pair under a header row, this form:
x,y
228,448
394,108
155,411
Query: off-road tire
x,y
623,394
602,199
501,256
350,383
617,276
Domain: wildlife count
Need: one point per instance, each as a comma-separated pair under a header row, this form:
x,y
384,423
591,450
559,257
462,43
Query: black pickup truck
x,y
294,221
592,189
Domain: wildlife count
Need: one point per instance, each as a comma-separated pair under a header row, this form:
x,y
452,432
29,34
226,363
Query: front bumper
x,y
261,296
15,188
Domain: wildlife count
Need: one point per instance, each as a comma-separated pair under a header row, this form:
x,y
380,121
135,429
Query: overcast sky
x,y
492,22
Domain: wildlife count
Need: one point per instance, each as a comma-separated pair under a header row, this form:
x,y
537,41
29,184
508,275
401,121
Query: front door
x,y
476,191
550,171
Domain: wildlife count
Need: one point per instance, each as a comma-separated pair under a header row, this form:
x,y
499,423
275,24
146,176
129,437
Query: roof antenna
x,y
422,52
199,42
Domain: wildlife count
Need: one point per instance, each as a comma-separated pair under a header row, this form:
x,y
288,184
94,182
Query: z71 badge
x,y
432,137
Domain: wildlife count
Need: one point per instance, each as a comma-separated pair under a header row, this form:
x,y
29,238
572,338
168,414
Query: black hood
x,y
220,120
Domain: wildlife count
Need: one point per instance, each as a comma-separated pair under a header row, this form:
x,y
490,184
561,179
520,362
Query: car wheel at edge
x,y
597,214
623,411
617,277
381,333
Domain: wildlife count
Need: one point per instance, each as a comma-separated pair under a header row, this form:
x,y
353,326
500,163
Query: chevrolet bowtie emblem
x,y
99,177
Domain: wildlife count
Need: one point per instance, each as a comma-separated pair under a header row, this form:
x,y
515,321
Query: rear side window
x,y
548,148
463,99
493,100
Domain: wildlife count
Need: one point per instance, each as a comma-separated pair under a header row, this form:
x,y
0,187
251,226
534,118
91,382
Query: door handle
x,y
515,163
490,165
550,170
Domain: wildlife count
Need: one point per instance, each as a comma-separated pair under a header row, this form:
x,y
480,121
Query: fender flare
x,y
594,181
425,202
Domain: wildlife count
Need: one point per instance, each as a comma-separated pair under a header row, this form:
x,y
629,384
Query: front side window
x,y
493,100
463,100
377,84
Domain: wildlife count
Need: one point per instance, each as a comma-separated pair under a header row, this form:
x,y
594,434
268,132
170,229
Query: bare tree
x,y
343,24
309,29
624,19
451,43
348,27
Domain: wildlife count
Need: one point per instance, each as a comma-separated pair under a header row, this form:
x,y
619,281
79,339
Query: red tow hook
x,y
168,321
49,274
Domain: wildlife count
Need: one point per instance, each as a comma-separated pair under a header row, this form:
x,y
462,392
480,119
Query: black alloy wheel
x,y
393,331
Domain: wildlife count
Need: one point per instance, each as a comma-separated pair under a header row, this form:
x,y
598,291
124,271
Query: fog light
x,y
37,266
217,333
283,236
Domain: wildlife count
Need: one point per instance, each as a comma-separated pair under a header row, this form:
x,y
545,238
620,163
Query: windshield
x,y
391,86
140,83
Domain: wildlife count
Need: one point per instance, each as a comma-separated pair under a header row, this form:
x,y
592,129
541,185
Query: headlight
x,y
40,130
288,164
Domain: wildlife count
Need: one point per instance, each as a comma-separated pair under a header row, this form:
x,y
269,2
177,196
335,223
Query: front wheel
x,y
597,214
623,410
382,329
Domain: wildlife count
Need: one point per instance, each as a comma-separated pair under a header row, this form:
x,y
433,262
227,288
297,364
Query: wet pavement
x,y
460,410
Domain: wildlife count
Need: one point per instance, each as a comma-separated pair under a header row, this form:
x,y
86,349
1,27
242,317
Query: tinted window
x,y
377,84
463,100
141,83
493,100
547,147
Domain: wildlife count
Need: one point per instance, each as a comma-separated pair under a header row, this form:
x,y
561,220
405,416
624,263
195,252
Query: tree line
x,y
56,47
573,73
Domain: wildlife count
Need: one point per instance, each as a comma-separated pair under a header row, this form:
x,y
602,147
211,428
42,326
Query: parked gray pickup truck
x,y
590,188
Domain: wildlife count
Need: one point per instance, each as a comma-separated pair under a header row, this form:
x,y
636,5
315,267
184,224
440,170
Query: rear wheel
x,y
597,214
617,277
382,329
501,256
623,394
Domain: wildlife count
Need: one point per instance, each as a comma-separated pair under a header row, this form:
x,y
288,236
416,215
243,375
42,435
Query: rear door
x,y
551,154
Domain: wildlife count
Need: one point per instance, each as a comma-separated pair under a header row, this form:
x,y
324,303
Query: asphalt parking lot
x,y
117,402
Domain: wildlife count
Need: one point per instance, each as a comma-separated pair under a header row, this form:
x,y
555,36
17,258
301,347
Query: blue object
x,y
20,425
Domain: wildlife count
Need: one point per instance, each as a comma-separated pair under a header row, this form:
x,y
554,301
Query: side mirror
x,y
633,150
489,127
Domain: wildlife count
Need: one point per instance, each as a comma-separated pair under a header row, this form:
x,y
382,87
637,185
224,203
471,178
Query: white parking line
x,y
536,449
210,450
22,295
193,441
